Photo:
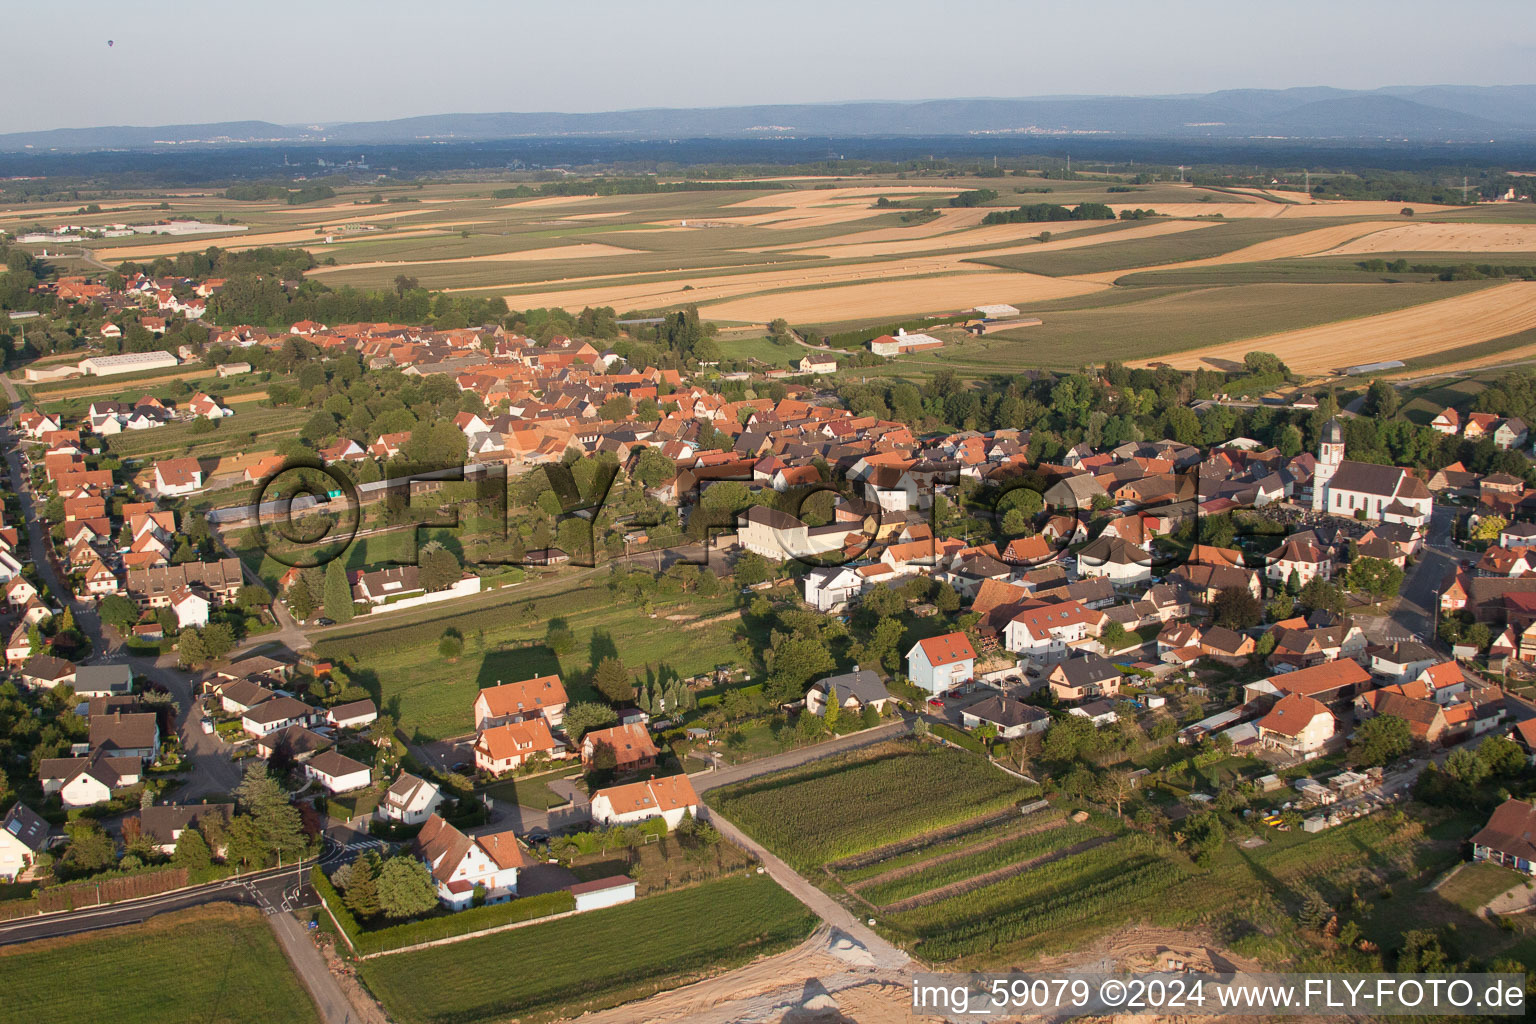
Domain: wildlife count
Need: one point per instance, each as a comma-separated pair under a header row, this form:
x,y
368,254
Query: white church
x,y
1384,493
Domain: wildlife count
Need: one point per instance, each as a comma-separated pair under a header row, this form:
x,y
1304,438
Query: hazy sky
x,y
317,61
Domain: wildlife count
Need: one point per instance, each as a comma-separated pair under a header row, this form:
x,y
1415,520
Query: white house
x,y
337,772
668,798
173,477
272,715
1297,723
410,800
1114,559
941,662
459,863
811,363
831,588
83,781
23,835
355,715
1048,632
191,608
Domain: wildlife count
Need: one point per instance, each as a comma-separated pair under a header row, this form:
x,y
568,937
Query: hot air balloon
x,y
109,42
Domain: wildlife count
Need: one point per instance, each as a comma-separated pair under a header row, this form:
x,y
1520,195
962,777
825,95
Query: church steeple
x,y
1330,453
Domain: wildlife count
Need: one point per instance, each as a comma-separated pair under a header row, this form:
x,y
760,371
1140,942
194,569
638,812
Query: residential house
x,y
940,663
669,799
126,734
272,715
164,823
1297,724
44,671
1509,838
855,690
355,715
410,800
337,772
174,477
83,781
23,837
1099,712
504,747
542,696
1049,631
1084,676
460,865
103,680
1114,559
631,744
1011,718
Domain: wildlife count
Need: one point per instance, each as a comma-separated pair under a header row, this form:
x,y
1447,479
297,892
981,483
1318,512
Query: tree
x,y
946,598
1320,595
192,850
277,823
583,717
1279,607
613,681
440,568
338,592
90,849
405,888
1380,740
361,894
1114,637
1382,400
1489,528
751,568
451,646
119,611
1115,787
869,717
833,708
1236,608
1375,576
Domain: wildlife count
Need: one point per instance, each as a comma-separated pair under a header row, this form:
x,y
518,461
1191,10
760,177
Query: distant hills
x,y
1444,113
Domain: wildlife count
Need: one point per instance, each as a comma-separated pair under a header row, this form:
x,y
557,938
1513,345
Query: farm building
x,y
127,362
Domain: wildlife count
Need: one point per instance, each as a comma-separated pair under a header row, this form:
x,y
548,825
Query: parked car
x,y
323,621
936,703
207,725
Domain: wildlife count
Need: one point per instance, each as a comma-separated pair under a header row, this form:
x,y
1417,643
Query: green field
x,y
1171,322
592,961
1220,238
432,698
217,963
846,805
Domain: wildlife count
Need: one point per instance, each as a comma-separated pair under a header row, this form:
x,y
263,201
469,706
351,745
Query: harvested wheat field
x,y
586,250
1444,237
619,292
1478,316
197,243
1022,234
898,298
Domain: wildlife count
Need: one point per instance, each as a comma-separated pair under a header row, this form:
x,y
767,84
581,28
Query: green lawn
x,y
594,960
432,698
531,790
1474,885
217,963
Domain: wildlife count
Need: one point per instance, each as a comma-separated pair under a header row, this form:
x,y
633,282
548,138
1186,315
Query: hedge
x,y
714,699
429,929
111,888
955,736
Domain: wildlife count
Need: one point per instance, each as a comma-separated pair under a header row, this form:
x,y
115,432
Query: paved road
x,y
263,889
1417,609
708,779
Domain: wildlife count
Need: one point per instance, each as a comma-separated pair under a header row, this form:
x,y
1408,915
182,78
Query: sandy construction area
x,y
1401,334
898,298
1444,237
586,250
